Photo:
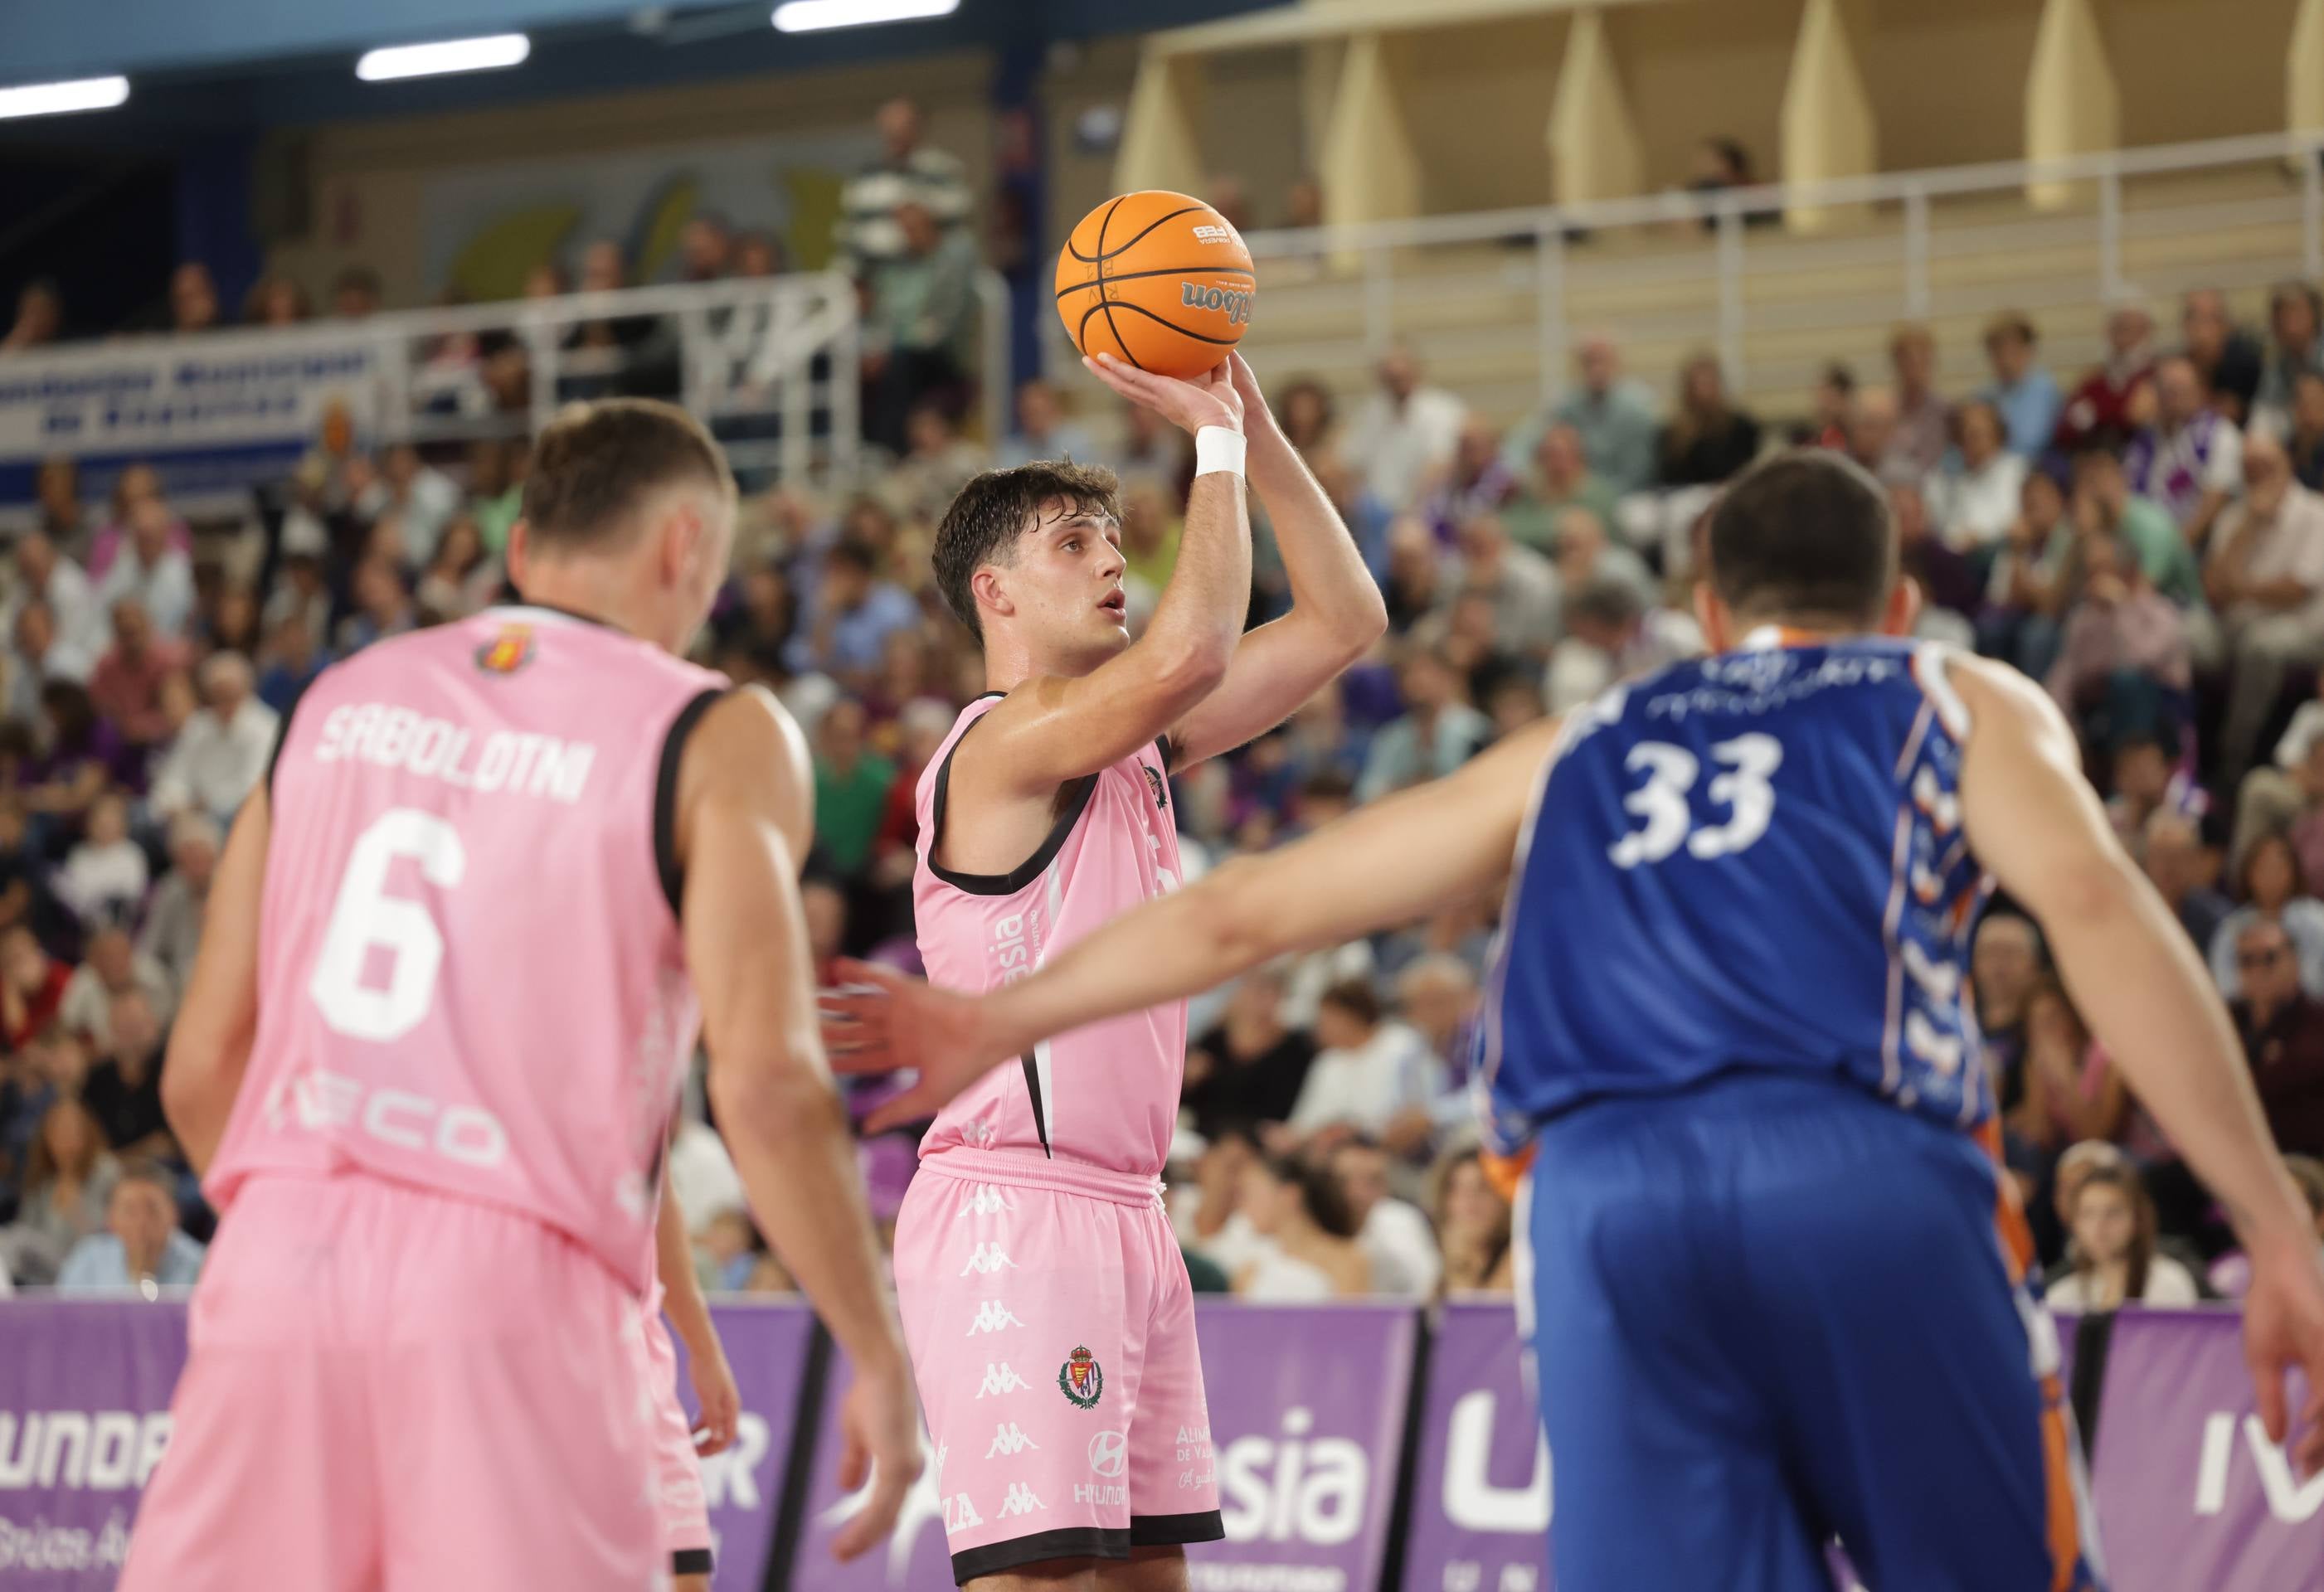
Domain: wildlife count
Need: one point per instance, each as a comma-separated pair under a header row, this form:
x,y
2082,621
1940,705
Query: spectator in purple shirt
x,y
2191,459
2118,623
1476,481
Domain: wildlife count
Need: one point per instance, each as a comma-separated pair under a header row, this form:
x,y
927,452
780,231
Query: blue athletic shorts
x,y
1772,1310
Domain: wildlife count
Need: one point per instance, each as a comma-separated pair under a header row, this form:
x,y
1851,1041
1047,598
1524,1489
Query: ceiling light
x,y
808,16
50,99
451,55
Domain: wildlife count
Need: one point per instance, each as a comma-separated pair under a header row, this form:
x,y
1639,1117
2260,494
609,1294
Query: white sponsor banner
x,y
192,401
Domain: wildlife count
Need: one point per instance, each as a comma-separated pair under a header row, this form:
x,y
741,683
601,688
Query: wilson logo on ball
x,y
1195,296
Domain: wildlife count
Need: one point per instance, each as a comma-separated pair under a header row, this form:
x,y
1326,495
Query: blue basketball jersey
x,y
1749,861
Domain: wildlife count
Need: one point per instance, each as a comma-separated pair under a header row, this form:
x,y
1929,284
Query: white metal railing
x,y
772,364
1736,264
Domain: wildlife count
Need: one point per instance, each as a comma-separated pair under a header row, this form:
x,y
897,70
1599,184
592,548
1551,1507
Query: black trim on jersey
x,y
1169,750
1166,1531
1075,797
690,1561
1077,1541
665,813
1033,1088
282,730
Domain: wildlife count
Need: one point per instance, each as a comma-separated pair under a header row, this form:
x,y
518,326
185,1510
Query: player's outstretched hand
x,y
881,1021
720,1401
2283,1328
879,1437
1193,402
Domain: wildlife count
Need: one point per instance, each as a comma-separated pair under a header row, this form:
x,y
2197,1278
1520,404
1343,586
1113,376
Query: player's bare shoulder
x,y
749,751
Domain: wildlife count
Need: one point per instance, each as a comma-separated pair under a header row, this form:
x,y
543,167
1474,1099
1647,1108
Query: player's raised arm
x,y
1056,727
2130,969
1388,863
744,819
209,1044
1336,609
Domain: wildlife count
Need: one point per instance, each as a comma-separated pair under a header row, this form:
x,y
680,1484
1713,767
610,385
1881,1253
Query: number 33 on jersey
x,y
1778,829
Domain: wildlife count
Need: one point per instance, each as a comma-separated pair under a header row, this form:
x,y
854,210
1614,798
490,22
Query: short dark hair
x,y
1807,534
1357,997
1319,1192
1608,600
996,508
595,464
855,552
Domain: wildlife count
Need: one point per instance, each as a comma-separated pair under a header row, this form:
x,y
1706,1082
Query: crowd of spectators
x,y
2146,537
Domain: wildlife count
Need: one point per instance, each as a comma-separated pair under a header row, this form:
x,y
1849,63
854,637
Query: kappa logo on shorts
x,y
985,1200
1009,1438
1019,1501
1081,1379
992,1316
1109,1453
1000,1378
987,1257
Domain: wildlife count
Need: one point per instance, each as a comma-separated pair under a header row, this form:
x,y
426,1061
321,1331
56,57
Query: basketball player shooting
x,y
1043,1295
1731,1017
456,954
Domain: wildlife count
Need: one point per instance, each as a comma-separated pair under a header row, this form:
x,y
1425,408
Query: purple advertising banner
x,y
1480,1496
766,1344
85,1389
2190,1494
1307,1419
84,1414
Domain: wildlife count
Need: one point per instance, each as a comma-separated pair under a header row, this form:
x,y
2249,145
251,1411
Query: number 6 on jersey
x,y
364,915
1749,762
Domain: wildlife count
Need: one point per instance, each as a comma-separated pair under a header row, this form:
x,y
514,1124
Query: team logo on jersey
x,y
1154,783
507,652
1081,1379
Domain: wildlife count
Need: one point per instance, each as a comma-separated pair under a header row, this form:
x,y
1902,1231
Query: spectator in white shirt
x,y
114,966
1311,1254
420,497
702,1174
45,574
172,934
2114,1257
2265,580
151,570
1367,1072
222,751
1404,433
103,877
37,656
1394,1234
1977,501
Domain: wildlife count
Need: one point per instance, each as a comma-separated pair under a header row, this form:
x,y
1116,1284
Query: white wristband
x,y
1217,448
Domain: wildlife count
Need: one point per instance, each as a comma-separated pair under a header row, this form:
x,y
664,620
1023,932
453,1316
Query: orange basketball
x,y
1158,280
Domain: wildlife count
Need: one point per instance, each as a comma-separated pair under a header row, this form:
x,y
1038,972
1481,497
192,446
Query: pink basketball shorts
x,y
394,1391
679,1501
1052,1335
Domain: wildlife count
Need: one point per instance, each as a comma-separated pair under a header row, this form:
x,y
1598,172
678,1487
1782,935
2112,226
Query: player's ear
x,y
1903,607
1718,624
991,593
682,540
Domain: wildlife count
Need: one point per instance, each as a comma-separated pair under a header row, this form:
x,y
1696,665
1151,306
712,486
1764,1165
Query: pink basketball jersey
x,y
471,976
1106,1095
